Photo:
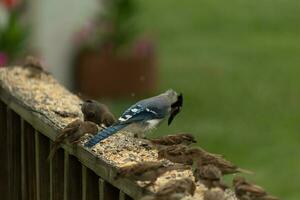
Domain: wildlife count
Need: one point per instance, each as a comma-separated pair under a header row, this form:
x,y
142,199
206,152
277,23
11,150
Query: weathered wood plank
x,y
90,189
29,187
66,175
74,179
123,196
57,176
23,167
37,164
84,182
107,191
14,154
4,189
42,166
101,189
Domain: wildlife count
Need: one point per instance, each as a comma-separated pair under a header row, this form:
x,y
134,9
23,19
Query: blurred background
x,y
236,63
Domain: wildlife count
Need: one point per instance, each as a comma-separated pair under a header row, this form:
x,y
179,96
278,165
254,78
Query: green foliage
x,y
116,24
14,36
236,63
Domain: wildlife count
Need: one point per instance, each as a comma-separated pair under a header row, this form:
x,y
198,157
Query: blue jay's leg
x,y
104,134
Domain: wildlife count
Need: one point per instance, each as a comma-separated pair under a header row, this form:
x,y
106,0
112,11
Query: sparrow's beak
x,y
175,108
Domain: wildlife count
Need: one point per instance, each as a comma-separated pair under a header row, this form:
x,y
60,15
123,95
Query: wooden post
x,y
89,184
42,166
57,176
4,189
29,186
14,154
66,175
108,191
123,196
74,179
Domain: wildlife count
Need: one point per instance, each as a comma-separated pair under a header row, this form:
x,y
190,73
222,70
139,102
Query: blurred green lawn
x,y
237,64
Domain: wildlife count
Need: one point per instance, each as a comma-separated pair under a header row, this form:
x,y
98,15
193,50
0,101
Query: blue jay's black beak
x,y
175,108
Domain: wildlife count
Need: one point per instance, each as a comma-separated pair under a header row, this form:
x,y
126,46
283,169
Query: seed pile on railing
x,y
41,93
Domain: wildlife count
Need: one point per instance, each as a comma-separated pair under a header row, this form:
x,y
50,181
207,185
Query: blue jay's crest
x,y
144,115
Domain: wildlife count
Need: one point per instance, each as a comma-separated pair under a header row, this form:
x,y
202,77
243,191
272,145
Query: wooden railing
x,y
74,173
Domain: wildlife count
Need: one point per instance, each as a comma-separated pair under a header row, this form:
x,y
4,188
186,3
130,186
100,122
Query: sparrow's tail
x,y
53,150
104,134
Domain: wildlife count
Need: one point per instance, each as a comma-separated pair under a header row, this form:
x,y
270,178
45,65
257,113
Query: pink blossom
x,y
3,59
85,32
144,47
10,3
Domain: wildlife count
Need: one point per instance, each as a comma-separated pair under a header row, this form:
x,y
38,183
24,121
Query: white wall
x,y
54,24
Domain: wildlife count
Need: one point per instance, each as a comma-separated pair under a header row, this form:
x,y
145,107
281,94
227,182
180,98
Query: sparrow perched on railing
x,y
245,190
184,185
179,138
214,194
210,176
203,157
143,116
146,171
98,113
185,155
35,67
173,190
176,154
72,133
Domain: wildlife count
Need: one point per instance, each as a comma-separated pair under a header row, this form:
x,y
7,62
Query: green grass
x,y
237,63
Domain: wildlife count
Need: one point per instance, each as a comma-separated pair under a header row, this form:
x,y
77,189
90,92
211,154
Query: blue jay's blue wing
x,y
104,134
140,113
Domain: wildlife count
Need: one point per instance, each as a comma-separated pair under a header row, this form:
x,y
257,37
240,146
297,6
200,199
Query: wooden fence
x,y
74,173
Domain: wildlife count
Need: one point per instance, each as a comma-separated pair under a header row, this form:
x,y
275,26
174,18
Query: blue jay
x,y
143,116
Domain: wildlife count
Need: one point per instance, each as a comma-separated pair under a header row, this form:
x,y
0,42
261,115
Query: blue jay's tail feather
x,y
104,134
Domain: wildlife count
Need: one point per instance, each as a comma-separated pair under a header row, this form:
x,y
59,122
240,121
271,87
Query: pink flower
x,y
3,59
144,48
10,3
84,33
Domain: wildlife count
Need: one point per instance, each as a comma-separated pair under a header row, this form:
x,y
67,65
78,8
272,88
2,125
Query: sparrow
x,y
184,185
97,112
210,176
174,190
35,67
146,171
72,133
214,194
175,196
202,157
180,138
176,154
245,190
